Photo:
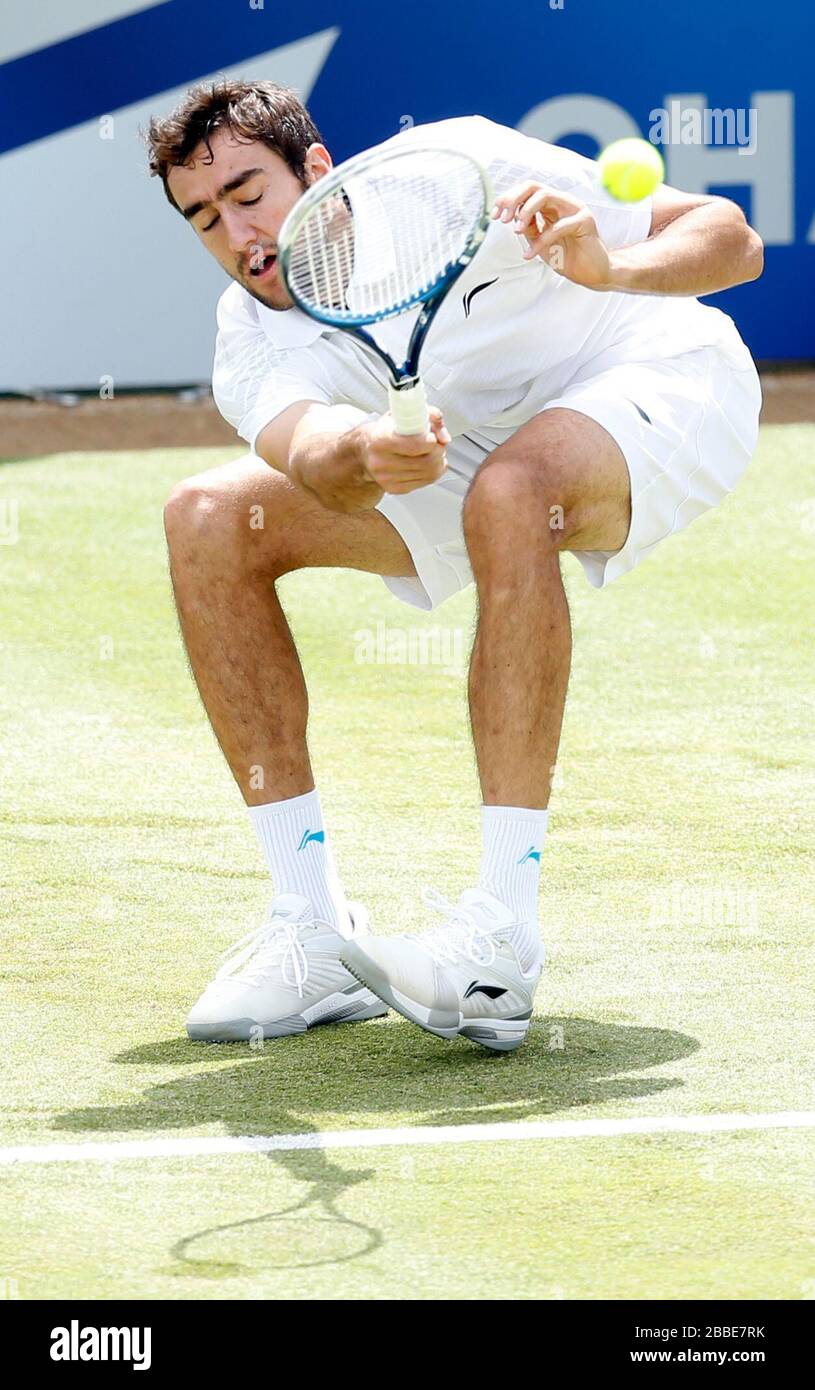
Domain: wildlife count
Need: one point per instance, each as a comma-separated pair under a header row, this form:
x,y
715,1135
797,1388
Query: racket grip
x,y
408,409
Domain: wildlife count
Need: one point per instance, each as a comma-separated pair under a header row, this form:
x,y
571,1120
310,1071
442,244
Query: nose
x,y
241,235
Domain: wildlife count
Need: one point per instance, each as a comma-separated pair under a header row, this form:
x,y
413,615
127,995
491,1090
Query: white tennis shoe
x,y
283,978
463,977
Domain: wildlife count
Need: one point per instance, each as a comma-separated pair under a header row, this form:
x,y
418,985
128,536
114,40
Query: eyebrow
x,y
244,177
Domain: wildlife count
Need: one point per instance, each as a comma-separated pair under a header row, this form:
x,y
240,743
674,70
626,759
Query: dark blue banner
x,y
581,72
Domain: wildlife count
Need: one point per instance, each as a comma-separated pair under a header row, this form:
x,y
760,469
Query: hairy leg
x,y
232,533
560,483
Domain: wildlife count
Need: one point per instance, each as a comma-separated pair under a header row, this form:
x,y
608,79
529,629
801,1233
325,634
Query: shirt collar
x,y
289,327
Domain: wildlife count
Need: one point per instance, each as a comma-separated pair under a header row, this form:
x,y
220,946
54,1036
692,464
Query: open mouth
x,y
265,267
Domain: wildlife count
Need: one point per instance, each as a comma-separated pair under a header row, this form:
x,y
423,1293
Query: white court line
x,y
397,1138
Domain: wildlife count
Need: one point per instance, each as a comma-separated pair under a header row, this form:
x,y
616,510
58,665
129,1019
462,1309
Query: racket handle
x,y
408,409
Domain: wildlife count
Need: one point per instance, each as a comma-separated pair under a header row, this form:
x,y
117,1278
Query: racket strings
x,y
387,235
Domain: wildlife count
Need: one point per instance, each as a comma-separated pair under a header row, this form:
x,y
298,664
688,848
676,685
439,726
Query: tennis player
x,y
584,401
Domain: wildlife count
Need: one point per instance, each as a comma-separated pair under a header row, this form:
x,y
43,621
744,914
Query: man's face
x,y
237,204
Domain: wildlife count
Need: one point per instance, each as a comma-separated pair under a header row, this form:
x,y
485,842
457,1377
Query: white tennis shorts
x,y
687,427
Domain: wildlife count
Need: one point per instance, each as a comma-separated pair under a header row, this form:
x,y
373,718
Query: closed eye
x,y
249,203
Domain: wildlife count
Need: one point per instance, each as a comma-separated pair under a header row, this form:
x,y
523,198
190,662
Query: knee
x,y
203,521
519,504
189,512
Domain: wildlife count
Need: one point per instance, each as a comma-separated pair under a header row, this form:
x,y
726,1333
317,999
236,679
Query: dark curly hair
x,y
249,110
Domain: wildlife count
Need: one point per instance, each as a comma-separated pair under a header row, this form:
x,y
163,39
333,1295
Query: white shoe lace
x,y
276,943
460,936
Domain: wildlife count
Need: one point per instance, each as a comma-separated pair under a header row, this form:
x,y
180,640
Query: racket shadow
x,y
369,1073
309,1233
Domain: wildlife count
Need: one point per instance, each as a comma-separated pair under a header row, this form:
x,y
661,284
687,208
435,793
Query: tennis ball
x,y
631,169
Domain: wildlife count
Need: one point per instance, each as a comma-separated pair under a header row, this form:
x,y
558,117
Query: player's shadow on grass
x,y
379,1071
375,1073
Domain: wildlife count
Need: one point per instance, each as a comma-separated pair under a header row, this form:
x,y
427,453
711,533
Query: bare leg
x,y
560,483
232,532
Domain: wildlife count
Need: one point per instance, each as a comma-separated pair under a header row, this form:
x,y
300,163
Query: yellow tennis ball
x,y
631,169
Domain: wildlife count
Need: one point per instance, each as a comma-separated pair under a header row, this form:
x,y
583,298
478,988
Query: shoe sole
x,y
495,1034
336,1008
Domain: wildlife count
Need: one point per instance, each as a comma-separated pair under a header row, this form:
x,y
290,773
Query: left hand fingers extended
x,y
508,203
545,207
554,234
532,201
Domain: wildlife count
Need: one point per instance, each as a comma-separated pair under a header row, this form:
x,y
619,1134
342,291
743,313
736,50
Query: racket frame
x,y
406,397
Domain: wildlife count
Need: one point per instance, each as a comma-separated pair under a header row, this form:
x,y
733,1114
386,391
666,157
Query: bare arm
x,y
346,461
696,245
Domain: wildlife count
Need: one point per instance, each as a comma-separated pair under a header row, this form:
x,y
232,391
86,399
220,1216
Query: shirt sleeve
x,y
516,157
253,381
512,157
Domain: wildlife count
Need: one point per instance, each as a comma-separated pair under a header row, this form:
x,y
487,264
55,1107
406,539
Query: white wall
x,y
100,277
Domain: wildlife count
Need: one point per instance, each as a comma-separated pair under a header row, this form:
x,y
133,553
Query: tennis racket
x,y
379,235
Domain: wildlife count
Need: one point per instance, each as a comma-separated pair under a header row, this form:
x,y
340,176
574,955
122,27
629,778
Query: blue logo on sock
x,y
531,853
309,835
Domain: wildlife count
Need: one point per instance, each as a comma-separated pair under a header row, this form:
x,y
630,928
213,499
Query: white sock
x,y
513,839
296,848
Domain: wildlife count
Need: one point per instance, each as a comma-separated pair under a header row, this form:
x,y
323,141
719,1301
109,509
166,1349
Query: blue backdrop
x,y
520,64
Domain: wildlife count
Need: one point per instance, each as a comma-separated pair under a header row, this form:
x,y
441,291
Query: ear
x,y
317,163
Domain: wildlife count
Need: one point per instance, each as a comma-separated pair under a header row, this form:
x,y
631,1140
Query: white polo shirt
x,y
493,357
